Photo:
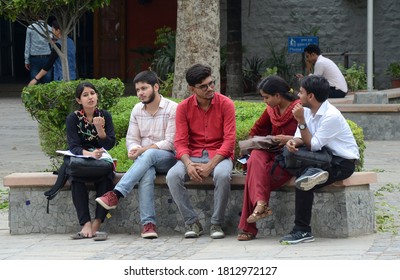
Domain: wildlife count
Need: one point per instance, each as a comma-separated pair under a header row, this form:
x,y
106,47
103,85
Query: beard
x,y
151,98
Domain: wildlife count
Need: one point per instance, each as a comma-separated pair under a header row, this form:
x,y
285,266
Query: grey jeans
x,y
222,175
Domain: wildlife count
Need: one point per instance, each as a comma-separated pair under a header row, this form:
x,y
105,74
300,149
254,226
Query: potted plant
x,y
252,72
394,71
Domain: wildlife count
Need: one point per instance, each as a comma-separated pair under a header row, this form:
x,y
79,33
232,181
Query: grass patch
x,y
4,199
377,170
4,205
386,213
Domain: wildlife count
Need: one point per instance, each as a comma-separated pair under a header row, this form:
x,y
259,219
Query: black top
x,y
83,135
53,56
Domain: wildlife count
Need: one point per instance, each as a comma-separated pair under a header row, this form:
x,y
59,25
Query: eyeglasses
x,y
206,86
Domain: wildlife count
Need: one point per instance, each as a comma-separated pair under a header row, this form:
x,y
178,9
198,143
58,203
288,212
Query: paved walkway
x,y
20,152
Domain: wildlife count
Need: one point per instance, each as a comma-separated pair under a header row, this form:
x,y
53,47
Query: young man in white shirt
x,y
327,68
150,143
320,124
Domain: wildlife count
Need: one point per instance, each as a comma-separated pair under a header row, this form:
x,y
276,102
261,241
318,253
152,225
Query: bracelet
x,y
188,164
36,79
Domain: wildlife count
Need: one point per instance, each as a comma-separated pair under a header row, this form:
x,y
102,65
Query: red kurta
x,y
259,181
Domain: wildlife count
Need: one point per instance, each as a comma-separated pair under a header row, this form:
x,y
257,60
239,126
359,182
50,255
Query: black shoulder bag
x,y
303,158
62,178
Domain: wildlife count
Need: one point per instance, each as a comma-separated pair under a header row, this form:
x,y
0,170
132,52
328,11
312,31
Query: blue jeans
x,y
37,64
222,175
143,172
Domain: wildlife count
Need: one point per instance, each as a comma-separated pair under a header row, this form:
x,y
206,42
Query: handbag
x,y
259,143
304,158
88,167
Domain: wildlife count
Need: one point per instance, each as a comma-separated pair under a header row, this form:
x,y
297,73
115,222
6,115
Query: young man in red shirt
x,y
204,143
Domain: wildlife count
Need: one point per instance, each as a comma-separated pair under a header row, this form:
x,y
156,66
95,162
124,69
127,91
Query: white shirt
x,y
146,129
329,128
327,68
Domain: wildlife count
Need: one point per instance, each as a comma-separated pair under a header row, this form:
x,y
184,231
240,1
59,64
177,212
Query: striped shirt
x,y
146,129
36,44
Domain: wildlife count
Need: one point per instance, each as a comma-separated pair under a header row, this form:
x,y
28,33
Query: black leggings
x,y
80,197
340,170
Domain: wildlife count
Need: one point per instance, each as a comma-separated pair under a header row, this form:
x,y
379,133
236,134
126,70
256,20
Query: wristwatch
x,y
302,126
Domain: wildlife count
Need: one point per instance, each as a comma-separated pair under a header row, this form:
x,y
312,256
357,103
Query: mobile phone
x,y
243,159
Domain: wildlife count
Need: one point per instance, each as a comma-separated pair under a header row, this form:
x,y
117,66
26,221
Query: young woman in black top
x,y
90,130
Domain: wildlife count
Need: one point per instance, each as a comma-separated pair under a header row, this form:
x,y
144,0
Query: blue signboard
x,y
298,43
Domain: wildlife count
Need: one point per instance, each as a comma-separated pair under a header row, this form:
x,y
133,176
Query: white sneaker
x,y
310,178
194,230
216,232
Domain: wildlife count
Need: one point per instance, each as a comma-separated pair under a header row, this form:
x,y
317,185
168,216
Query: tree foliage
x,y
66,12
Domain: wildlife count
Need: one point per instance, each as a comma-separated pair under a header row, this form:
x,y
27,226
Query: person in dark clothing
x,y
90,131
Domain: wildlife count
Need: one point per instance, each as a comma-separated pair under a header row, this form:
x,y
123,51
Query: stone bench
x,y
378,121
343,209
386,96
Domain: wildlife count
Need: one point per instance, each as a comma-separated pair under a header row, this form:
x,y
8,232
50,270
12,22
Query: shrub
x,y
355,77
359,136
50,104
121,113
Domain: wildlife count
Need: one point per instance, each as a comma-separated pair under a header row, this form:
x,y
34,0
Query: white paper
x,y
105,154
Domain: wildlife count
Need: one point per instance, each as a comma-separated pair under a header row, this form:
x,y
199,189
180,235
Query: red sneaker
x,y
109,200
149,231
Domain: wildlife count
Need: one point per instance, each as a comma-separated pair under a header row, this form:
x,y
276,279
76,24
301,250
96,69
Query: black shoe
x,y
310,178
296,237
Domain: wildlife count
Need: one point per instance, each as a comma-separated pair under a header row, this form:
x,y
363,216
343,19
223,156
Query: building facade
x,y
115,41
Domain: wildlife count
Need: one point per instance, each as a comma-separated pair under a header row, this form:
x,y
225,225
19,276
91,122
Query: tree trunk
x,y
197,41
64,58
234,73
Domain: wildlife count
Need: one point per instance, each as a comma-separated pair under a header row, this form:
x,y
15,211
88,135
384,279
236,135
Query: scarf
x,y
86,129
278,120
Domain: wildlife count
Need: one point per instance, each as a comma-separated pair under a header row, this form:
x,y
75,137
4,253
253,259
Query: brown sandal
x,y
258,215
245,236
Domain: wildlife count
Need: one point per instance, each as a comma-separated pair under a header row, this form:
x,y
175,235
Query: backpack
x,y
60,182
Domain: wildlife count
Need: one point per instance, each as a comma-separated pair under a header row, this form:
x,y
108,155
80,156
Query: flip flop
x,y
79,235
100,236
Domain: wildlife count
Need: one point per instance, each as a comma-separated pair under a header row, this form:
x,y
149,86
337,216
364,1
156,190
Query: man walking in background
x,y
37,50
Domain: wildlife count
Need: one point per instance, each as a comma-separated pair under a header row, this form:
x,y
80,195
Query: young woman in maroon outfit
x,y
276,120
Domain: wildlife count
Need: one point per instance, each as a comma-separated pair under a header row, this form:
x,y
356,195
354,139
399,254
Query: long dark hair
x,y
274,84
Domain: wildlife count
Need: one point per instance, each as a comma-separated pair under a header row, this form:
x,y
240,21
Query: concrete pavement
x,y
20,152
